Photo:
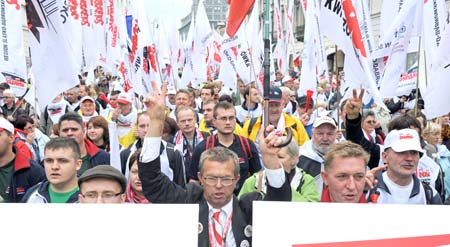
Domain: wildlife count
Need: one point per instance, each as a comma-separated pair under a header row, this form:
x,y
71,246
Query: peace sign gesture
x,y
354,105
156,106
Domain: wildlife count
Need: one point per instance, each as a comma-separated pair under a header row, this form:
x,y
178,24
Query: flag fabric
x,y
13,69
48,42
238,10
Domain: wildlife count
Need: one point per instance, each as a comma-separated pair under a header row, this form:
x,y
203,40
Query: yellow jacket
x,y
204,128
298,131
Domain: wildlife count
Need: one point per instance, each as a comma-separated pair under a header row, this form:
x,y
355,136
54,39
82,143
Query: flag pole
x,y
266,86
416,105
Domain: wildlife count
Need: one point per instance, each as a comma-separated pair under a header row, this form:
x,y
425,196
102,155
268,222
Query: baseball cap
x,y
103,171
124,98
171,90
275,94
403,140
6,125
324,120
87,98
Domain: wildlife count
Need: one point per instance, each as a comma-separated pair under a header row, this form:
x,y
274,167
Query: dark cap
x,y
275,94
103,171
302,102
4,85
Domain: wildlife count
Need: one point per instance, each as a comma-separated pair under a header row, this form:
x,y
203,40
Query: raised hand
x,y
156,107
268,147
354,105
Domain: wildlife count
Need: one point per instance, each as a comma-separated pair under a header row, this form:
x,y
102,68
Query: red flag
x,y
238,10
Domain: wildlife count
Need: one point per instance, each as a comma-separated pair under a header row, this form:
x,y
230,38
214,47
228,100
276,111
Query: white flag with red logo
x,y
13,69
54,64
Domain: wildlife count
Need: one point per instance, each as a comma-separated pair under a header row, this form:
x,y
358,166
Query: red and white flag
x,y
13,69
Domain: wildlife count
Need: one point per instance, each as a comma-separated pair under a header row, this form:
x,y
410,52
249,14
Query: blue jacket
x,y
39,194
26,174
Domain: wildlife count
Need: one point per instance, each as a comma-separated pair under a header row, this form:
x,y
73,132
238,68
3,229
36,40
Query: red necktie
x,y
217,228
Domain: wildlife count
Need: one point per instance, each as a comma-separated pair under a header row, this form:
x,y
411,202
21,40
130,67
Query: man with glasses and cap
x,y
223,219
102,184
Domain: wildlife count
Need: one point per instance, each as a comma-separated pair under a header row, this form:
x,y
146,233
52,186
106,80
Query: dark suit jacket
x,y
159,189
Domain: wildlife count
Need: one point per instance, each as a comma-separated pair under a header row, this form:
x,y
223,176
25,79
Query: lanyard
x,y
226,229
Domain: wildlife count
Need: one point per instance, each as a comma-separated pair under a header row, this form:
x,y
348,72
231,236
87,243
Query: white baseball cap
x,y
6,125
125,98
403,140
324,120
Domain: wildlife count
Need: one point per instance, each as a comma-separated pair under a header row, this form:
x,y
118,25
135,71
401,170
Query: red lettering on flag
x,y
14,2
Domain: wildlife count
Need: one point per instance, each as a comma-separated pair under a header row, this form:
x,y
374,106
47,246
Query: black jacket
x,y
159,189
26,174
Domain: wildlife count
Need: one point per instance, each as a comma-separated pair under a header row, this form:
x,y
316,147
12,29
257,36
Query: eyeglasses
x,y
212,180
105,195
225,119
371,121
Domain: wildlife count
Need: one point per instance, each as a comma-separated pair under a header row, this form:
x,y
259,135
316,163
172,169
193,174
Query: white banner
x,y
13,69
112,225
348,224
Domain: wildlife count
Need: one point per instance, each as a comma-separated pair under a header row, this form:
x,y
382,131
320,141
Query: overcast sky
x,y
173,10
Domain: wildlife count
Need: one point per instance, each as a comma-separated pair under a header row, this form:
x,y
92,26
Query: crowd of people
x,y
210,146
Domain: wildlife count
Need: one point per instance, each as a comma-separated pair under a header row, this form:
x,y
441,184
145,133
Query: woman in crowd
x,y
98,132
134,191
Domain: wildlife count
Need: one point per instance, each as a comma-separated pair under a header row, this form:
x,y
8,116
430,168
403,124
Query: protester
x,y
277,118
71,125
134,187
17,172
31,136
344,173
171,159
125,116
102,184
303,186
98,133
219,174
312,153
9,108
250,108
62,160
225,122
399,183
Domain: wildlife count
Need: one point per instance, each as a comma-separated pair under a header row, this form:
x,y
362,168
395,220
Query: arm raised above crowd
x,y
354,105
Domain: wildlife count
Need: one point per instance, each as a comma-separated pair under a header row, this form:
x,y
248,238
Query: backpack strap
x,y
170,150
245,144
428,192
210,142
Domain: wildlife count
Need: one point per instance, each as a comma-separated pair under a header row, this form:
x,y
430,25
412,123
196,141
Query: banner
x,y
349,224
103,224
13,69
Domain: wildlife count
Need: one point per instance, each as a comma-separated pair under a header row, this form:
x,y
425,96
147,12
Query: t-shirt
x,y
5,179
58,197
84,165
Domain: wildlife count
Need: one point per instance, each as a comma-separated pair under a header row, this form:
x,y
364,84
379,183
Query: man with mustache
x,y
312,153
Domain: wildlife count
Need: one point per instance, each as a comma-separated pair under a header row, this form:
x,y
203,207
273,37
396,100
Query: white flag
x,y
54,65
12,62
